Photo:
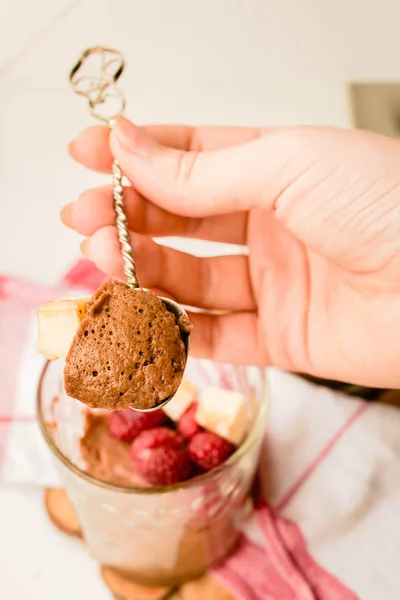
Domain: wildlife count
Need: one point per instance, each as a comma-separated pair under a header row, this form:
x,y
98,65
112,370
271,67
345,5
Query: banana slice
x,y
58,321
223,412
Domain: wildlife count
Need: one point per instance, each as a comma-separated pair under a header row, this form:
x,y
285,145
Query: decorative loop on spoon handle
x,y
121,222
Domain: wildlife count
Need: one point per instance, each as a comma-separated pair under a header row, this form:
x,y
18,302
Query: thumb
x,y
199,184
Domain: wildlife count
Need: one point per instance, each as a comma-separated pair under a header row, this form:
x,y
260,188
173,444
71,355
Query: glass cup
x,y
158,535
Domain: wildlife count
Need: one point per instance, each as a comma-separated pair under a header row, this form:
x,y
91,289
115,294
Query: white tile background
x,y
216,62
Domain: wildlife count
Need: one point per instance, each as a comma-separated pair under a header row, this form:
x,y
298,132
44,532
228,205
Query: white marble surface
x,y
215,62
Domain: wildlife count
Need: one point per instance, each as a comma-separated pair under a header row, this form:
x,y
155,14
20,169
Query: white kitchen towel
x,y
327,522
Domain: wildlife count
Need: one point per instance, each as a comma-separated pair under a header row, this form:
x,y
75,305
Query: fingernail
x,y
66,214
71,148
133,139
85,247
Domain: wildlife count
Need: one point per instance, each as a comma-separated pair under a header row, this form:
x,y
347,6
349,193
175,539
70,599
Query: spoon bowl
x,y
180,318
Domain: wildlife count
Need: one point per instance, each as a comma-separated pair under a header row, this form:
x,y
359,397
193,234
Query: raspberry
x,y
163,465
208,450
125,425
187,425
156,437
159,455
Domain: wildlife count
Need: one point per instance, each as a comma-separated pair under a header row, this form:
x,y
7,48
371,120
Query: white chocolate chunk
x,y
223,412
184,397
58,321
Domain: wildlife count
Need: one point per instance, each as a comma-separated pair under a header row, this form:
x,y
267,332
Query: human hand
x,y
318,209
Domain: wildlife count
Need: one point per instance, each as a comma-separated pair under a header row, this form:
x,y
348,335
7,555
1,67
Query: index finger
x,y
183,137
91,146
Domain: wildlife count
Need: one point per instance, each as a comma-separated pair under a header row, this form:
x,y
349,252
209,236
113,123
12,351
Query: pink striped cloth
x,y
326,523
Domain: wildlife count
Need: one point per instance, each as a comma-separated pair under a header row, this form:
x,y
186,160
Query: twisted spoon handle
x,y
122,229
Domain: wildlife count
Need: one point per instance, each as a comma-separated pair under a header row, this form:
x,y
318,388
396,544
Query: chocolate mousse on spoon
x,y
125,346
130,349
